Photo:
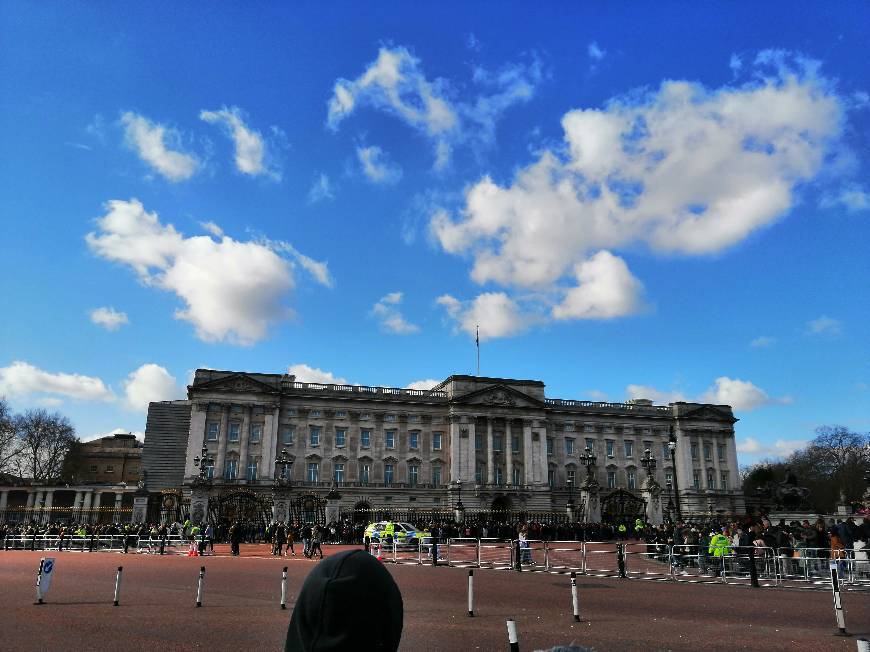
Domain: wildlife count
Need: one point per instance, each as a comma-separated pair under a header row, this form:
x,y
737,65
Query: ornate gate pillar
x,y
199,500
589,501
281,501
652,491
333,500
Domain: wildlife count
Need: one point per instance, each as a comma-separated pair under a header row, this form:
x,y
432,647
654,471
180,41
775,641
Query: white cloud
x,y
152,143
681,169
321,190
212,228
232,290
376,165
596,395
306,374
595,53
495,313
739,394
318,269
387,312
49,401
656,396
605,289
852,197
424,385
735,63
779,448
150,383
251,153
21,379
824,325
395,83
762,341
109,318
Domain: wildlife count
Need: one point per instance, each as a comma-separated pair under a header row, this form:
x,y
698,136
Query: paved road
x,y
241,608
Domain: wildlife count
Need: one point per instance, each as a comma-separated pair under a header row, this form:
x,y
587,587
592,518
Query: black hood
x,y
349,601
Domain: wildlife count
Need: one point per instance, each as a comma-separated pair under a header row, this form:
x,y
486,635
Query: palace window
x,y
290,412
478,475
413,440
711,479
611,479
231,469
478,441
313,472
389,417
287,435
365,437
388,474
666,451
365,416
256,432
708,452
570,473
234,431
496,442
629,448
209,470
436,475
608,444
340,414
365,471
499,478
414,418
569,446
694,450
549,445
590,444
515,443
212,431
551,477
724,481
110,468
390,438
340,437
436,441
696,480
413,474
252,471
631,478
338,472
669,479
314,414
517,480
314,436
720,452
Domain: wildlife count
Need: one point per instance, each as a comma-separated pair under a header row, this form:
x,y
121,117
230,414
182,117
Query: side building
x,y
495,443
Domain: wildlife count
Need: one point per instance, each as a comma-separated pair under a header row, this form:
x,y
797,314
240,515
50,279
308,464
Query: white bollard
x,y
118,585
838,606
471,593
199,586
512,635
284,588
575,600
863,645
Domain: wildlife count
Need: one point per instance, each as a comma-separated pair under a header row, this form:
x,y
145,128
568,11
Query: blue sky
x,y
665,201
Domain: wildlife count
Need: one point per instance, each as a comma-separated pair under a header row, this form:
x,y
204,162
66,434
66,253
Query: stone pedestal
x,y
333,503
589,500
571,512
199,502
652,491
281,503
140,507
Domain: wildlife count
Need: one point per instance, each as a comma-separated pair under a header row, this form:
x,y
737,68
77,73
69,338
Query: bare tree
x,y
10,444
46,439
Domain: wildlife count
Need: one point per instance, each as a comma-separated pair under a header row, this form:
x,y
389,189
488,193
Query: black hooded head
x,y
349,601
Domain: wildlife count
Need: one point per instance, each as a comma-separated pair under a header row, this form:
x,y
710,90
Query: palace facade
x,y
497,443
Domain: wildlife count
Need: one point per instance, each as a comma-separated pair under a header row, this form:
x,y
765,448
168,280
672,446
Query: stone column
x,y
490,464
119,498
243,441
88,498
455,468
31,496
49,503
38,506
469,461
77,503
528,463
140,506
4,499
651,492
509,451
219,465
280,502
98,503
270,443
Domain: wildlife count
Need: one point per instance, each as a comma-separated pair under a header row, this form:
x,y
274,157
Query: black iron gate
x,y
308,508
622,507
169,506
241,505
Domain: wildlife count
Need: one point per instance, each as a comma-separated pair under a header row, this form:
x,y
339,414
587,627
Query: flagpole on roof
x,y
477,343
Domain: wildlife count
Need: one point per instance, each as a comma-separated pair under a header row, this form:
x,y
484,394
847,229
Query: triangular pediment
x,y
709,413
235,383
499,396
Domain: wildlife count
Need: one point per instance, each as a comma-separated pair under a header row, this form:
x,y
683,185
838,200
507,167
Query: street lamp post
x,y
203,462
459,510
588,460
570,506
283,461
672,446
648,462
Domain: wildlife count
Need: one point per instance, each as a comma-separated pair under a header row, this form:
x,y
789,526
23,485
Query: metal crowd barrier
x,y
650,561
77,543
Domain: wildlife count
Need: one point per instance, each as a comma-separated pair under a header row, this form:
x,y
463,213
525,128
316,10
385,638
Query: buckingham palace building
x,y
494,444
